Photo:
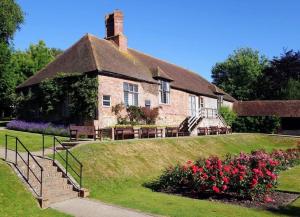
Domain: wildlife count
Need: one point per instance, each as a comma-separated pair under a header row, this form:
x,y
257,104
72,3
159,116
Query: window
x,y
164,92
147,103
131,94
220,101
201,102
106,100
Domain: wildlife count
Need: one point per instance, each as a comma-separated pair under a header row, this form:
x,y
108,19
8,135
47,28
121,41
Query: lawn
x,y
115,171
33,141
16,200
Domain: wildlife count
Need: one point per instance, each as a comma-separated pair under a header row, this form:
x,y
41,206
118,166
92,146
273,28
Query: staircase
x,y
55,185
208,113
49,181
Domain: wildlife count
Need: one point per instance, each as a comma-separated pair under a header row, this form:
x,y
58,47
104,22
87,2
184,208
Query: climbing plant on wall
x,y
70,98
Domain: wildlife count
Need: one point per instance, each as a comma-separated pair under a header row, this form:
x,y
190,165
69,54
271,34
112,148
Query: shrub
x,y
150,115
245,176
228,115
256,124
34,127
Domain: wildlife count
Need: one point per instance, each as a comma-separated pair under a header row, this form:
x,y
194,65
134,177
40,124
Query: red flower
x,y
216,189
235,171
268,199
227,168
195,169
241,178
213,178
221,173
224,187
225,180
204,175
200,169
269,185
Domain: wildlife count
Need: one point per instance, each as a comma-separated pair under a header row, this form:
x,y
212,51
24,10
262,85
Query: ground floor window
x,y
106,100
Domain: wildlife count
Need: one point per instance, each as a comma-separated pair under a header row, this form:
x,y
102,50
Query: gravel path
x,y
83,207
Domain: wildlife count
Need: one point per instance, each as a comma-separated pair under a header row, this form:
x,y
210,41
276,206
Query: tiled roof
x,y
280,108
91,54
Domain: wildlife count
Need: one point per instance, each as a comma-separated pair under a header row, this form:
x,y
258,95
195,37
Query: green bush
x,y
256,124
228,114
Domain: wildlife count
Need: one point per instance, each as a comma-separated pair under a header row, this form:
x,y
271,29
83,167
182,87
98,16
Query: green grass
x,y
289,180
17,201
32,141
115,171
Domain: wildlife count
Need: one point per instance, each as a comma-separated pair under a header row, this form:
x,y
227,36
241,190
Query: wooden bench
x,y
77,131
126,133
202,131
150,132
214,130
172,131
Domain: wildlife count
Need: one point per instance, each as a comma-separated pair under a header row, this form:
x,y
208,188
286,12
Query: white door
x,y
192,105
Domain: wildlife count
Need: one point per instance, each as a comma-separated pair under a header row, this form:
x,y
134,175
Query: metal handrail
x,y
18,141
66,160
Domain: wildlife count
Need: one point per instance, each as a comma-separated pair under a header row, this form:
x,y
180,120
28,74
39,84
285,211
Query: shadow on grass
x,y
289,210
3,123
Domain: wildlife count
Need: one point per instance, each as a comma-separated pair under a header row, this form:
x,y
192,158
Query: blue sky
x,y
194,34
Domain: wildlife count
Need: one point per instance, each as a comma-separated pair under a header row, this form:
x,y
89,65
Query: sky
x,y
194,34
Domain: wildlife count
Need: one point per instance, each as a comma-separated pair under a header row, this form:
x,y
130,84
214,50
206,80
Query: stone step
x,y
72,144
60,198
66,194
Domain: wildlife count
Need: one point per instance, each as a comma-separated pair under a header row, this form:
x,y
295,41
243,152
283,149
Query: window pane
x,y
126,98
125,85
106,97
136,88
131,87
136,99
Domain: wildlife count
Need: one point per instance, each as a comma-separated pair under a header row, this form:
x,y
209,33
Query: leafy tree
x,y
27,63
11,18
238,75
281,77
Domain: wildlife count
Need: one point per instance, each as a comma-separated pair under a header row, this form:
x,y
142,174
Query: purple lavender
x,y
38,127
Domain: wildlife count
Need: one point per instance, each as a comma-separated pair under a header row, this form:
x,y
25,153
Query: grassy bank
x,y
33,141
17,201
116,171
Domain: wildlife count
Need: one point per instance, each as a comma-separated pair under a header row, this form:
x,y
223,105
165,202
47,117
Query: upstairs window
x,y
106,100
131,94
164,92
201,102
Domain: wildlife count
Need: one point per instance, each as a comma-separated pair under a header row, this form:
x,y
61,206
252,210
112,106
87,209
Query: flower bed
x,y
245,176
46,128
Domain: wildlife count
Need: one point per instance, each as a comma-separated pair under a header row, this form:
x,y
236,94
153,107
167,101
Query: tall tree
x,y
11,18
281,80
239,73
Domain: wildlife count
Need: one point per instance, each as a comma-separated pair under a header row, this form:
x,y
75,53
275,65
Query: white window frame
x,y
106,100
165,90
132,91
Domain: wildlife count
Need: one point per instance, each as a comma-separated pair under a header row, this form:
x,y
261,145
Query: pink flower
x,y
216,189
189,162
224,187
213,178
195,169
268,199
227,168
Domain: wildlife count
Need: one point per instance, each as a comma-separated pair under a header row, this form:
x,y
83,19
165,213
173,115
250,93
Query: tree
x,y
281,79
11,18
238,75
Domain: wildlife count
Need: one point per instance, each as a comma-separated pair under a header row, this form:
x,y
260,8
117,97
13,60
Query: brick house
x,y
131,77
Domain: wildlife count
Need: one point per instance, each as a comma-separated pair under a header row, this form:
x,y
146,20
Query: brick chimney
x,y
114,29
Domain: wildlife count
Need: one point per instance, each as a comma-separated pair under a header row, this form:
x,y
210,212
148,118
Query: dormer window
x,y
164,92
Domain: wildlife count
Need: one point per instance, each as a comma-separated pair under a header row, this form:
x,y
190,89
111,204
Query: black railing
x,y
75,167
27,163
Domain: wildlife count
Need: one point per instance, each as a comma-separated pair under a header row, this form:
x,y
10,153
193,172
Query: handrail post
x,y
41,188
54,149
5,147
80,184
43,145
67,162
28,166
16,152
